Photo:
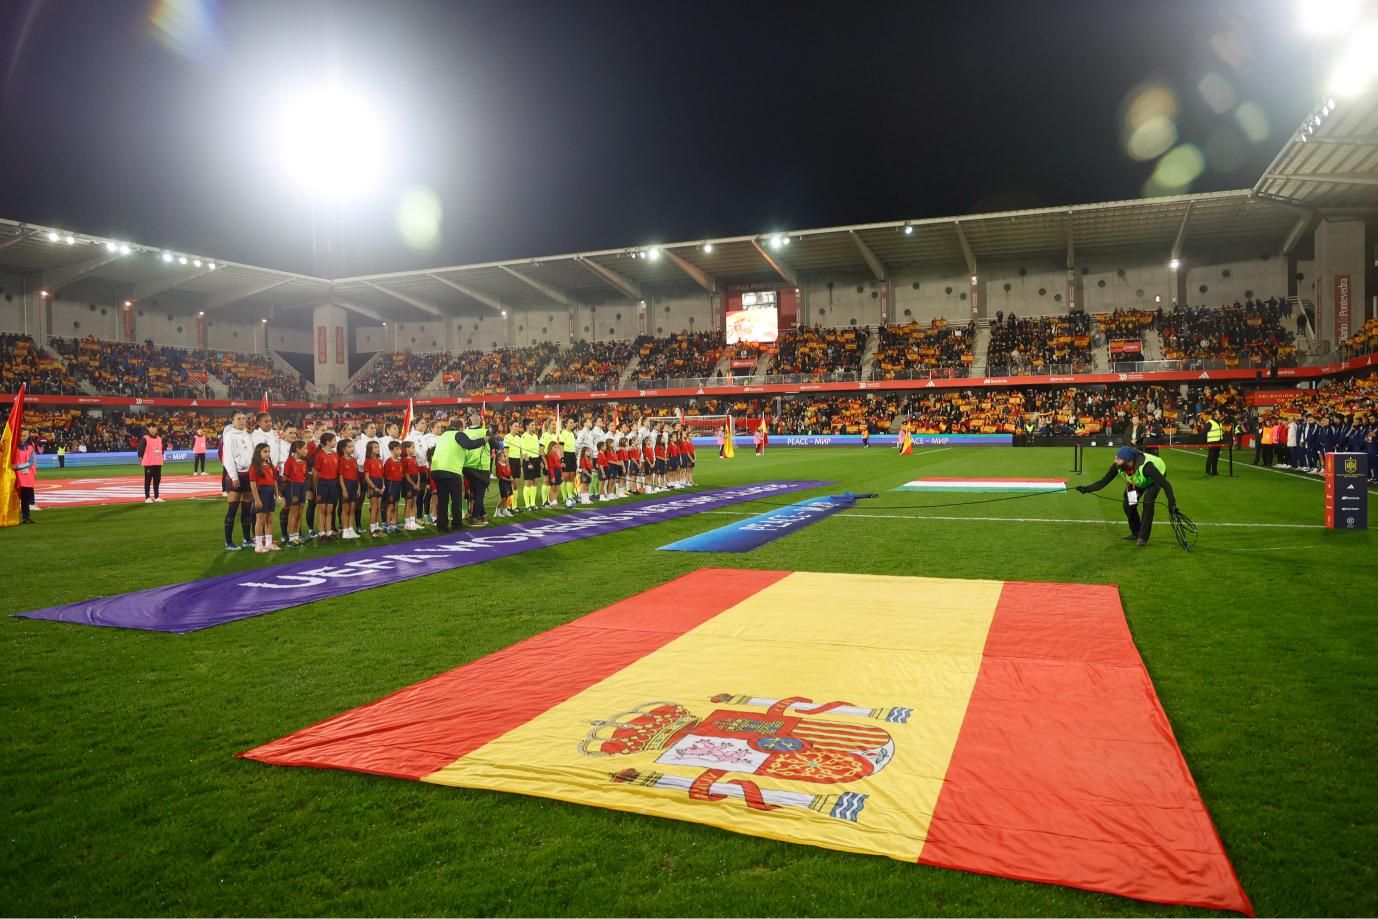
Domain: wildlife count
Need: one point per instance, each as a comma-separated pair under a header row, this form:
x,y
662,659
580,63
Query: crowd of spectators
x,y
595,362
1363,341
680,356
401,372
849,414
23,362
249,376
87,431
819,352
1040,345
135,370
937,349
1250,334
504,370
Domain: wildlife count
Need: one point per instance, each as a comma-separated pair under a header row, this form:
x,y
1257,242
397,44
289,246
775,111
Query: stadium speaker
x,y
830,285
76,325
667,311
1249,294
586,329
1139,293
1119,272
852,321
1204,288
1101,282
179,332
1057,298
860,288
916,285
103,311
543,329
618,317
660,330
1301,276
875,295
1023,272
91,307
521,328
962,295
1225,273
908,312
1043,291
1008,286
948,291
1085,270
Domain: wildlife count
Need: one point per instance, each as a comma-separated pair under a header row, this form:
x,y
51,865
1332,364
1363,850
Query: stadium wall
x,y
12,305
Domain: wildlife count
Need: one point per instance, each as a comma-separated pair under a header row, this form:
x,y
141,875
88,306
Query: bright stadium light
x,y
908,230
211,266
1174,264
124,249
653,254
167,256
785,240
70,240
43,294
1319,18
196,262
775,242
110,247
128,303
53,237
504,316
331,141
182,260
1357,65
200,312
707,247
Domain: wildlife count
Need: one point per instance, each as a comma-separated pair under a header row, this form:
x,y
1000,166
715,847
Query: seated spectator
x,y
1240,335
681,356
402,372
819,352
595,362
504,370
23,362
1037,346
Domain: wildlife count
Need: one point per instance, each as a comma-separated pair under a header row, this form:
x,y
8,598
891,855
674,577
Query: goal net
x,y
701,426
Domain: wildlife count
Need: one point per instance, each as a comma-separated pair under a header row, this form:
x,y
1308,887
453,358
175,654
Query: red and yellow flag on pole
x,y
1004,728
9,451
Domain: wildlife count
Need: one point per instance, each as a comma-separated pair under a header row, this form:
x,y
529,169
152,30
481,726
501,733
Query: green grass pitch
x,y
123,796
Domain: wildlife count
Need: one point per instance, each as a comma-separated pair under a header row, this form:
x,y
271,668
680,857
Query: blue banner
x,y
877,440
237,595
49,460
745,535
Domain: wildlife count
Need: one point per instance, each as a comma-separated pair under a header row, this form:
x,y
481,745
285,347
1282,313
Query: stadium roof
x,y
1331,162
1329,166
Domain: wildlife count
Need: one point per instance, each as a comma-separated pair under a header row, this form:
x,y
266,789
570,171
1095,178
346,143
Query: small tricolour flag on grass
x,y
984,484
1005,728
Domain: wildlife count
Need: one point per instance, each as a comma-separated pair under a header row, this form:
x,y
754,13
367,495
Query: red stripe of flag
x,y
417,730
1063,701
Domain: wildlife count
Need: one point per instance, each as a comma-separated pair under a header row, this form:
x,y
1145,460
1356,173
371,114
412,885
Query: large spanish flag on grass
x,y
1004,728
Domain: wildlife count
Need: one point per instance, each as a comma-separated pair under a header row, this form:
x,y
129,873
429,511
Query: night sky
x,y
563,126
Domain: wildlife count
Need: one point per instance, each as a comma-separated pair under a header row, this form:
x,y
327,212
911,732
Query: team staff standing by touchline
x,y
1215,435
151,458
1144,476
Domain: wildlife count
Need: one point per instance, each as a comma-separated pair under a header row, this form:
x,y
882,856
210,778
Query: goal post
x,y
703,426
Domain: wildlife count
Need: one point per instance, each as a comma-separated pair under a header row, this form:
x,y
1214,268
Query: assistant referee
x,y
1144,476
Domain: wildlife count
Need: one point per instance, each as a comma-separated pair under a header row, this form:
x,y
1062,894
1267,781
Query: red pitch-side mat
x,y
999,727
120,490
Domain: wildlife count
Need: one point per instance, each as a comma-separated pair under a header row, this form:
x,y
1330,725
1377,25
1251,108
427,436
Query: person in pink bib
x,y
198,453
151,458
25,469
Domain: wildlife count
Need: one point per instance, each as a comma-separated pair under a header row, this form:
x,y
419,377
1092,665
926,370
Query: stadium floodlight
x,y
128,303
70,240
785,240
124,248
211,266
196,262
708,248
908,229
1174,264
181,260
167,256
504,316
264,321
775,242
43,294
1357,65
200,312
110,247
53,237
973,279
653,253
1319,18
331,141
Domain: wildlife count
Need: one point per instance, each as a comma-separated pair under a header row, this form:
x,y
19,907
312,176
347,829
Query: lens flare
x,y
419,215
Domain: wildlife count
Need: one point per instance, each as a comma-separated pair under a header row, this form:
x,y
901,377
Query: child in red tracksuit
x,y
503,468
554,463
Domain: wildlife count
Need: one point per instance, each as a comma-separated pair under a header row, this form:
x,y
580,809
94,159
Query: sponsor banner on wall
x,y
49,460
321,355
1344,307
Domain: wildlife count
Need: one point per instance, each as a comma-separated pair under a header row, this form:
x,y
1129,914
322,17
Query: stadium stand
x,y
837,415
505,370
599,362
686,355
125,369
1040,345
401,372
819,352
1364,341
1247,335
248,376
22,361
937,349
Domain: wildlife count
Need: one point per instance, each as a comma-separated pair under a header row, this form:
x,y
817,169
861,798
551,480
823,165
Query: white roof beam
x,y
1299,229
22,237
1071,245
353,307
877,266
780,267
1336,178
695,273
148,289
472,293
553,293
409,299
619,282
1181,239
966,247
61,277
220,301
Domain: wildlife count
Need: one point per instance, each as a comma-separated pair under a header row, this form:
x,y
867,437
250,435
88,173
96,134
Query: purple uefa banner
x,y
228,597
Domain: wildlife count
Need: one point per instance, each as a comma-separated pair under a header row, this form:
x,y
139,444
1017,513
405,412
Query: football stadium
x,y
497,557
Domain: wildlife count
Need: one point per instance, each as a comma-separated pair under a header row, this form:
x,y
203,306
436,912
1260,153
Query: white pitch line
x,y
1298,476
1118,523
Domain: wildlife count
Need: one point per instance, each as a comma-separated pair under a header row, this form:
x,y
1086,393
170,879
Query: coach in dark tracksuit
x,y
1144,476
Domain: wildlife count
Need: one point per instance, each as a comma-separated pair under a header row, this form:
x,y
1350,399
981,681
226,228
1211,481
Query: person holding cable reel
x,y
1144,476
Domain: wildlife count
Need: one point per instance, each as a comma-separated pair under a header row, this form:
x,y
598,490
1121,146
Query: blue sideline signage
x,y
745,535
877,440
49,460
